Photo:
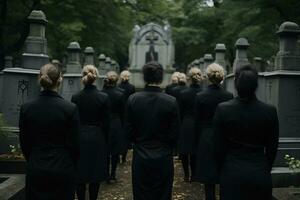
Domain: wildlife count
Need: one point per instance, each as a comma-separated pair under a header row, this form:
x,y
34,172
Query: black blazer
x,y
187,99
152,119
169,89
49,122
207,102
128,88
248,123
93,107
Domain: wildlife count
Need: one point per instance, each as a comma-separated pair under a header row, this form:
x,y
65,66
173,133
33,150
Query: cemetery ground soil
x,y
121,190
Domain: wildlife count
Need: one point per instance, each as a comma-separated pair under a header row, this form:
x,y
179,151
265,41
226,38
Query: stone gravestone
x,y
220,50
89,56
151,42
108,64
101,64
283,91
72,78
241,57
208,59
201,64
20,84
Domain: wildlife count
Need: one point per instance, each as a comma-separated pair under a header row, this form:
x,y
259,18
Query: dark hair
x,y
49,76
153,72
246,80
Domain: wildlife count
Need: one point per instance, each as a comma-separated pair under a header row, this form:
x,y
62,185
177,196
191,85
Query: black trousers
x,y
93,191
112,163
188,162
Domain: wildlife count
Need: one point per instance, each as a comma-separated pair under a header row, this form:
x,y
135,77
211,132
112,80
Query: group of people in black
x,y
220,139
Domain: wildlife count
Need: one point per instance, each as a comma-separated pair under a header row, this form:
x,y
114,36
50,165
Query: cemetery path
x,y
121,190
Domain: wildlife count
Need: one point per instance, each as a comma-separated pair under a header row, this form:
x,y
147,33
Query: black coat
x,y
48,139
128,88
93,107
187,97
247,140
117,140
152,122
169,89
205,106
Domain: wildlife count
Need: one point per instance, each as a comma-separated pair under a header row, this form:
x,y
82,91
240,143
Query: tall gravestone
x,y
89,54
283,91
101,64
108,64
201,64
151,42
241,57
208,59
20,83
220,50
72,78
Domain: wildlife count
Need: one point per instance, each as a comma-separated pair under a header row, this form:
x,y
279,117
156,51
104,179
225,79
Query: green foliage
x,y
106,24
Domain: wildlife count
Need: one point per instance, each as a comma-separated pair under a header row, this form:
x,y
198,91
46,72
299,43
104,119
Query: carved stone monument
x,y
89,56
71,79
151,42
20,83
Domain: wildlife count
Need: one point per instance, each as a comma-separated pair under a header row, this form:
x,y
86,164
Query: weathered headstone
x,y
208,59
201,64
283,91
101,64
258,64
20,84
108,64
220,50
71,79
89,56
35,54
151,42
241,57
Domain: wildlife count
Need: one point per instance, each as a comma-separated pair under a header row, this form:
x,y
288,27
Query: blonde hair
x,y
89,74
182,78
111,78
125,75
215,73
174,77
195,75
50,76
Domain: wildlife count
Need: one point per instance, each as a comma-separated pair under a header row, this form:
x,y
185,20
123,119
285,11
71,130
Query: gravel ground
x,y
121,190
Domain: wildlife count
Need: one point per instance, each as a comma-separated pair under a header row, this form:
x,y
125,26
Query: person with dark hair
x,y
152,124
48,139
246,131
129,89
93,107
117,140
205,106
186,141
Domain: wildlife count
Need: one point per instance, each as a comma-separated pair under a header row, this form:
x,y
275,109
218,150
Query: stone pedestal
x,y
89,56
241,58
220,50
72,78
20,84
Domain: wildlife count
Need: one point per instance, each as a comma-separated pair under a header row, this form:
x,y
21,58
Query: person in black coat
x,y
93,107
186,141
247,139
205,106
129,89
174,82
48,139
117,140
152,124
181,86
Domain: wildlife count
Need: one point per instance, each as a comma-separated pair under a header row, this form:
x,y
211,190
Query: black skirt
x,y
206,164
186,142
92,164
118,143
50,175
152,175
245,175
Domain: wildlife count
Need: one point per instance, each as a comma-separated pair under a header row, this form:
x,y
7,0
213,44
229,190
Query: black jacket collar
x,y
152,88
213,86
49,93
90,87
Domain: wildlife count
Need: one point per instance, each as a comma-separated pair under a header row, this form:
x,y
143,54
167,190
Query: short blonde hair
x,y
125,75
215,73
89,74
174,77
182,78
195,75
